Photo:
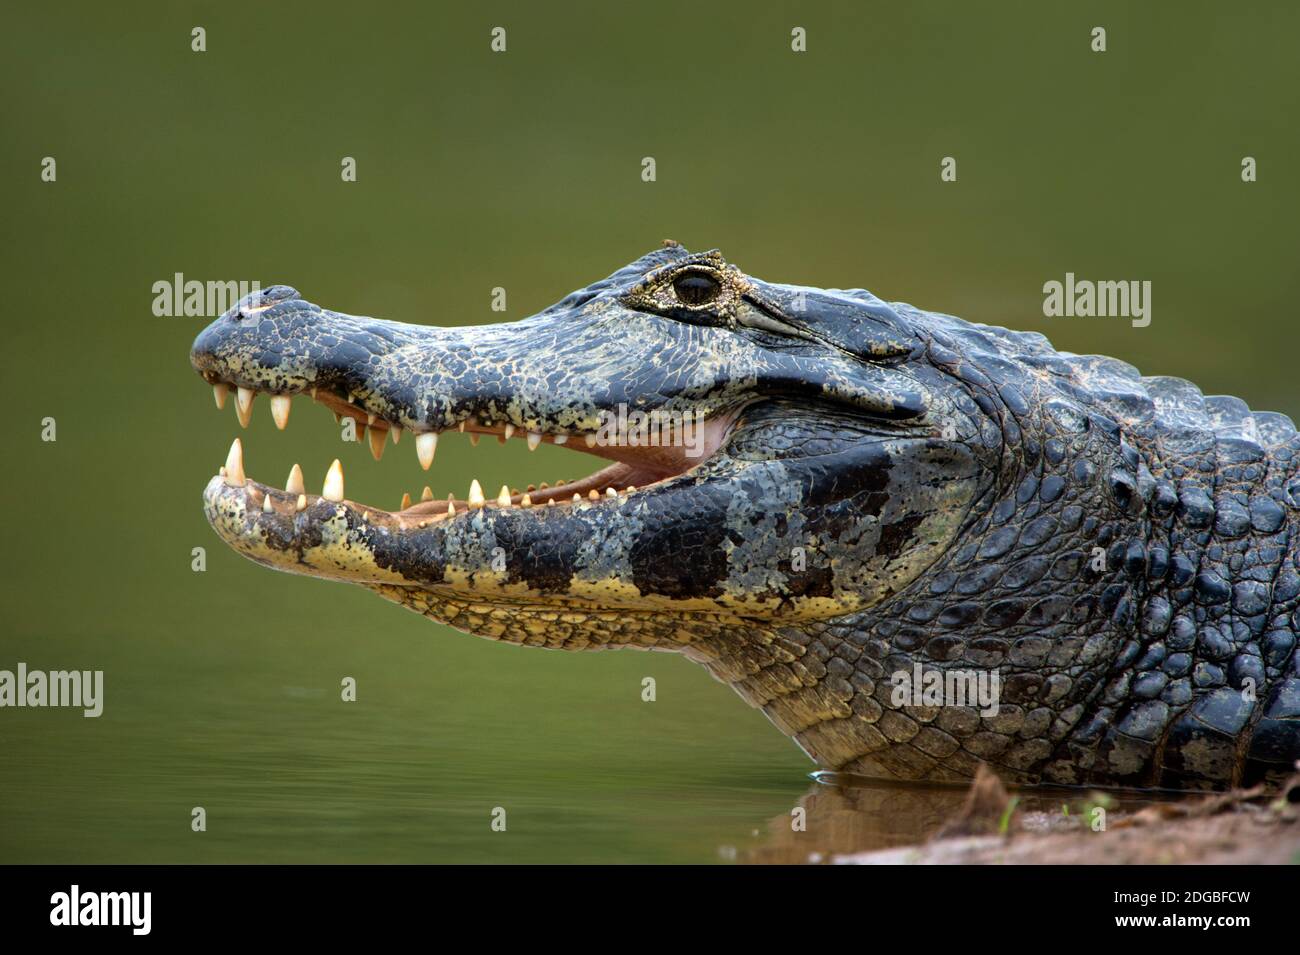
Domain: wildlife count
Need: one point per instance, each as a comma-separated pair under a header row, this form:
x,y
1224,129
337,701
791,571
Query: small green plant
x,y
1004,824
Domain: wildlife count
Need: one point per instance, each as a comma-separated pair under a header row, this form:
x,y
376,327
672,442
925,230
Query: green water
x,y
522,170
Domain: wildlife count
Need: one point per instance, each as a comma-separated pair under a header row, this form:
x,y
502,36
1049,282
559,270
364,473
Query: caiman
x,y
843,491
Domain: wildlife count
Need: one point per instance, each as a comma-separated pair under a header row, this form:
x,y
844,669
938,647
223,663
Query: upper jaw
x,y
555,374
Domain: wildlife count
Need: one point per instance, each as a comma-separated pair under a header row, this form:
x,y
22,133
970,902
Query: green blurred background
x,y
522,170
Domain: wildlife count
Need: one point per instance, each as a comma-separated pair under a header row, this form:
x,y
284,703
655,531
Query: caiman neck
x,y
1138,616
1045,586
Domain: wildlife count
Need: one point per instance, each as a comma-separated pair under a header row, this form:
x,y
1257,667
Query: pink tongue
x,y
636,465
652,463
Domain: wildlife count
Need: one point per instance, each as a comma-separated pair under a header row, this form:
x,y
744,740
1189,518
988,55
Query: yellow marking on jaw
x,y
337,557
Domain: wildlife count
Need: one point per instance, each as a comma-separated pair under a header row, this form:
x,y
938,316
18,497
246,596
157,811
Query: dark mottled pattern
x,y
900,487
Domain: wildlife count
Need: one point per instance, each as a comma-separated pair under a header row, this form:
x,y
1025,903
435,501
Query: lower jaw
x,y
340,541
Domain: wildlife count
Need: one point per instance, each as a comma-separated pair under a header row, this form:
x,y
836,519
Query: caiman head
x,y
783,461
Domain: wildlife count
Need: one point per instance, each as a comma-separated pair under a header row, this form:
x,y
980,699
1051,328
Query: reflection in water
x,y
845,814
849,814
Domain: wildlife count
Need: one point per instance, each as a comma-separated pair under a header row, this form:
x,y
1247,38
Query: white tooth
x,y
313,394
295,484
406,502
577,498
509,431
302,502
280,405
560,439
461,427
534,439
377,442
475,494
370,419
610,492
222,470
266,504
526,501
590,439
397,433
333,490
592,495
427,495
425,445
473,439
244,405
504,497
219,392
451,509
235,465
631,489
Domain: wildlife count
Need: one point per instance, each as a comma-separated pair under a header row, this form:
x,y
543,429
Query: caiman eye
x,y
696,288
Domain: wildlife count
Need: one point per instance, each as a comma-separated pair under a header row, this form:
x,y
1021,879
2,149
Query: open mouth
x,y
640,462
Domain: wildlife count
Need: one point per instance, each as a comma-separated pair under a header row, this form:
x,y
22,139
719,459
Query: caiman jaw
x,y
798,478
634,469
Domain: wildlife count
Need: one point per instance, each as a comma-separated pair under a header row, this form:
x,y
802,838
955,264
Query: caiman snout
x,y
275,342
695,400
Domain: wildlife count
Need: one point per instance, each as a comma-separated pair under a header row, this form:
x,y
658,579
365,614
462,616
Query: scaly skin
x,y
884,487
